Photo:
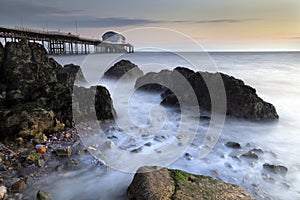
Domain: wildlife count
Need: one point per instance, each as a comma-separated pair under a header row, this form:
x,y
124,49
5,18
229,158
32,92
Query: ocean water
x,y
180,140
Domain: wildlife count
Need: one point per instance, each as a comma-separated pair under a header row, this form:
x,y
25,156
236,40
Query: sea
x,y
179,140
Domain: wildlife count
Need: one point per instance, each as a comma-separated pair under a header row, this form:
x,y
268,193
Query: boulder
x,y
276,169
36,92
123,67
162,183
71,74
92,103
241,100
26,120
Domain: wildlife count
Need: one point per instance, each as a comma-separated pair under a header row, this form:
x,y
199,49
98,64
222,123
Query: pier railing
x,y
59,43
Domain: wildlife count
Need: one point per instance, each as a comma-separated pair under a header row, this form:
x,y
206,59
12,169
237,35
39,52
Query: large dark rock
x,y
276,169
29,77
240,100
71,74
151,183
92,103
124,68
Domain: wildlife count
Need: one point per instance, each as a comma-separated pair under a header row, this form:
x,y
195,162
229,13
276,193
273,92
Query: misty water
x,y
275,76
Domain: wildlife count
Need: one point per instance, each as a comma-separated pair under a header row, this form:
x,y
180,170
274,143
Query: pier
x,y
60,43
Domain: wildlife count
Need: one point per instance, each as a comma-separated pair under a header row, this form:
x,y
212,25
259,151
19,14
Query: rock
x,y
41,163
18,186
39,138
26,120
137,150
276,169
250,155
188,156
42,195
241,100
109,144
33,157
151,183
159,138
124,67
73,164
64,152
41,148
161,183
71,74
92,103
148,144
3,189
233,145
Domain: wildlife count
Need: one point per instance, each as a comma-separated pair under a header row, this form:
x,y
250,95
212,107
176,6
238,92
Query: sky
x,y
181,25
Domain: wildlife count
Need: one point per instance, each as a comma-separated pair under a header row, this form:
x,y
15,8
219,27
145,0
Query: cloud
x,y
213,21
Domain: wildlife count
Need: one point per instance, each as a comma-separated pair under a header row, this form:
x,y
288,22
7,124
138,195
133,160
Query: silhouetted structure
x,y
57,43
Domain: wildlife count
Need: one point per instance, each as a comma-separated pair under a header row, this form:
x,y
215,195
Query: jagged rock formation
x,y
36,92
154,183
240,100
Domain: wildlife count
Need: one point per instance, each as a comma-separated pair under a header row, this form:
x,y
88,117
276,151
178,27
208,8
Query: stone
x,y
92,103
124,69
162,183
42,195
109,144
159,138
151,183
250,155
137,150
276,169
73,164
241,100
233,145
41,148
33,157
18,186
3,189
39,138
41,163
148,144
25,120
64,152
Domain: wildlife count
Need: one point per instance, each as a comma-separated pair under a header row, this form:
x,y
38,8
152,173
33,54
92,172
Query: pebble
x,y
41,148
3,192
18,186
233,145
109,144
42,195
137,150
91,148
159,138
188,156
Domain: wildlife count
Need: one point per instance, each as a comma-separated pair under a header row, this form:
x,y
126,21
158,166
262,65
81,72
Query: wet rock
x,y
41,163
233,145
26,120
64,152
92,103
73,164
161,183
137,150
39,138
3,190
18,186
240,100
159,138
148,144
33,157
276,169
188,156
124,69
41,148
150,183
256,150
71,74
42,195
250,155
109,144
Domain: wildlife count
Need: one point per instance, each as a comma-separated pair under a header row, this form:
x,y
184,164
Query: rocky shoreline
x,y
38,134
